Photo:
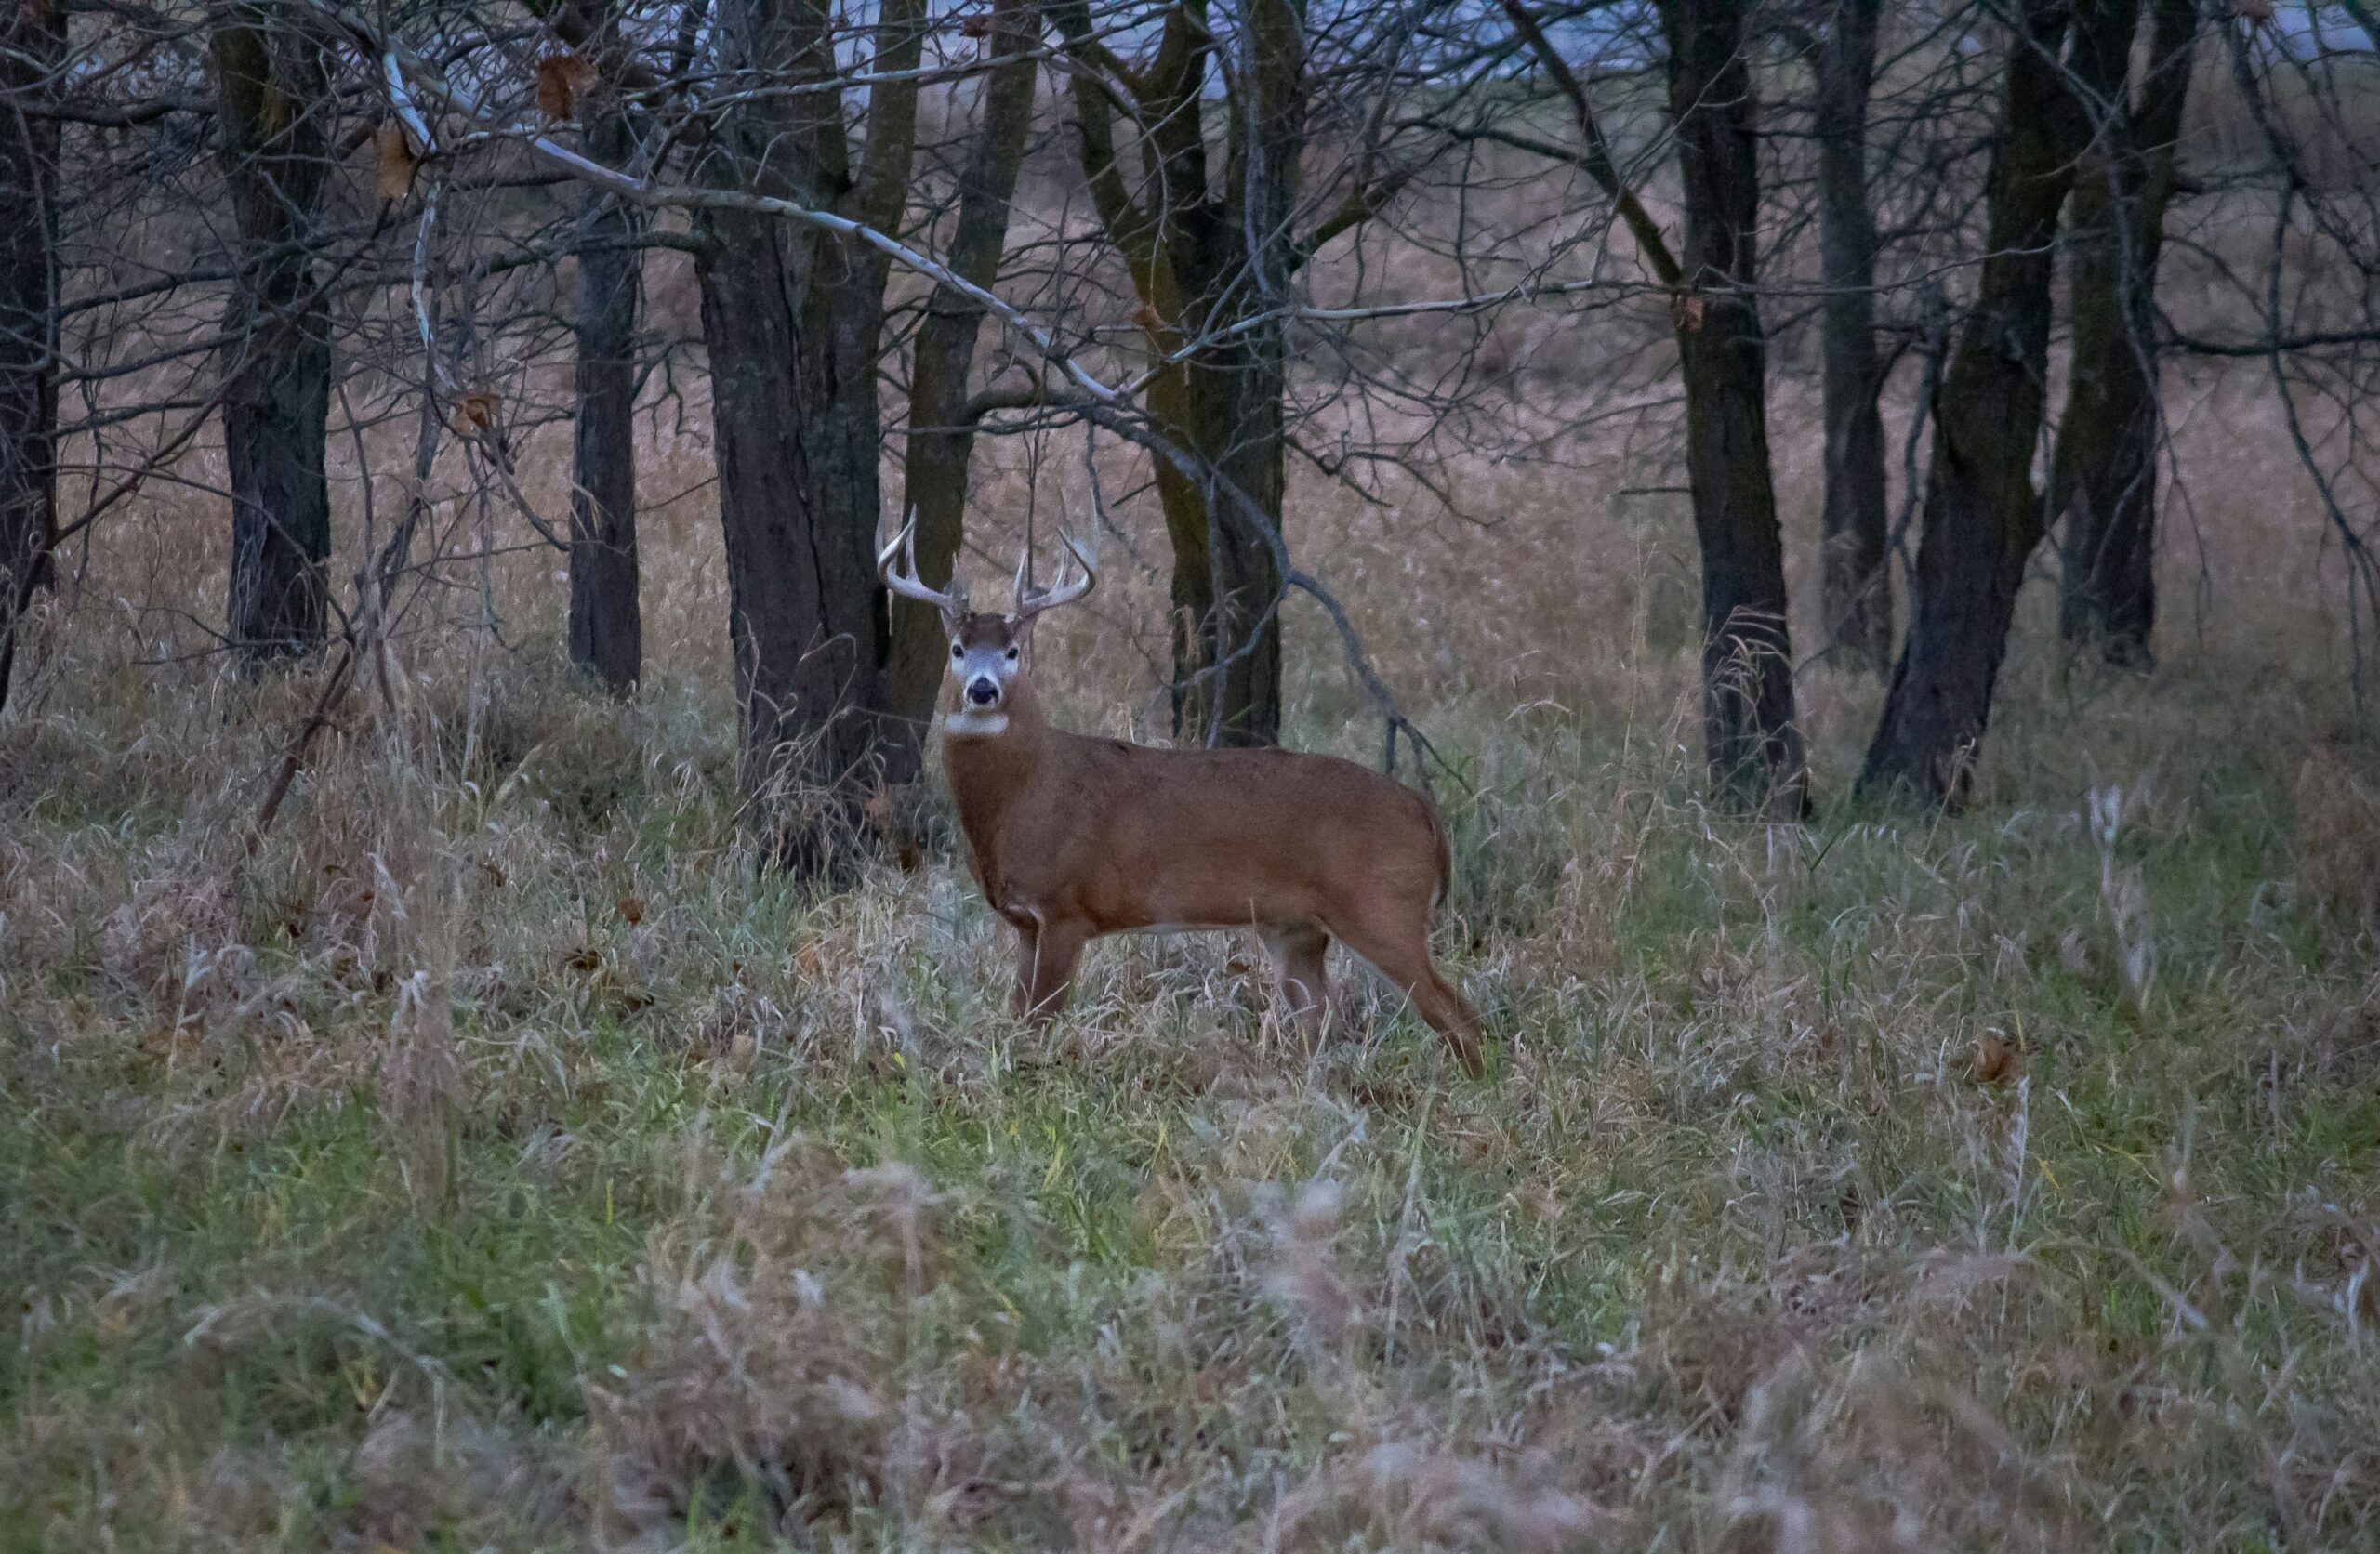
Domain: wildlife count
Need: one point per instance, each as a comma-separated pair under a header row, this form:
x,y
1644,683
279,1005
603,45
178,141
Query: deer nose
x,y
983,690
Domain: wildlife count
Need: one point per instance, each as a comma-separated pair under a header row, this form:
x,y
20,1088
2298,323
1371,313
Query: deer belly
x,y
1162,879
1160,906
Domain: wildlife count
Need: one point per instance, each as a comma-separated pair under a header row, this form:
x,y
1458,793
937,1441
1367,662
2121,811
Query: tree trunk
x,y
942,431
1982,515
2103,480
792,320
1751,739
1857,589
1209,259
1224,406
1228,590
32,48
606,627
274,113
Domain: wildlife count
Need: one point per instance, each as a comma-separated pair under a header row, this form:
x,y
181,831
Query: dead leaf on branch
x,y
399,161
562,79
475,412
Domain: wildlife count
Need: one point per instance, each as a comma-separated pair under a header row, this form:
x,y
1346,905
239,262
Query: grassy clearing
x,y
494,1160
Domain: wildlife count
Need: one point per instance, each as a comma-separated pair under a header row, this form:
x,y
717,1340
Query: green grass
x,y
755,1221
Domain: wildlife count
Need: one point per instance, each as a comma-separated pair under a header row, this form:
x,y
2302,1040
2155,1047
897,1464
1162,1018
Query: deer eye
x,y
1011,655
957,652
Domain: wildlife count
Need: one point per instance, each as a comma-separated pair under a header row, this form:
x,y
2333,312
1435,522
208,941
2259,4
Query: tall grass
x,y
497,1159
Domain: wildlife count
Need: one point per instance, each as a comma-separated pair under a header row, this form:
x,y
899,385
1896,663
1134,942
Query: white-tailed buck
x,y
1072,838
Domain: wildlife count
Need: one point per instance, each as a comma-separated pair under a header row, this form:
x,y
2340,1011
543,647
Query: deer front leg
x,y
1046,954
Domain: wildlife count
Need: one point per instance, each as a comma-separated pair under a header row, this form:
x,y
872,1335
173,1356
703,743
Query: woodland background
x,y
1860,515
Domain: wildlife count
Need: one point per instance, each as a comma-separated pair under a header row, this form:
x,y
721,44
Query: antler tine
x,y
905,545
1065,593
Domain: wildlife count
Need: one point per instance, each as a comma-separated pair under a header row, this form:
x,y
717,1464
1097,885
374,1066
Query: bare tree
x,y
1982,515
1858,592
607,625
274,116
33,52
1749,733
793,318
1751,743
2103,480
1210,247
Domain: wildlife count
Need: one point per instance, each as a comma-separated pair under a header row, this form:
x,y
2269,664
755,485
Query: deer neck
x,y
991,762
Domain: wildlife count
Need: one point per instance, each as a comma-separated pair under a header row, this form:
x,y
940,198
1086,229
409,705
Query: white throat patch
x,y
975,723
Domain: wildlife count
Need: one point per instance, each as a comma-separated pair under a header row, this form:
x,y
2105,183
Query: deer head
x,y
985,650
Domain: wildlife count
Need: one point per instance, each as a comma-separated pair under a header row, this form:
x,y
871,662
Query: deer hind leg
x,y
1046,954
1398,948
1299,953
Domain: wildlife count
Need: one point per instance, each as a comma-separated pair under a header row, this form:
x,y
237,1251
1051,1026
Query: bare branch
x,y
1593,155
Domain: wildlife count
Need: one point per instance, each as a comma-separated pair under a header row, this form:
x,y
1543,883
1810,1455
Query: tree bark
x,y
1225,406
1857,596
33,50
274,113
1210,257
1982,515
793,320
1247,425
1751,739
2103,480
942,430
607,625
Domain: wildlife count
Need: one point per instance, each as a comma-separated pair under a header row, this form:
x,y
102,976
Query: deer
x,y
1073,838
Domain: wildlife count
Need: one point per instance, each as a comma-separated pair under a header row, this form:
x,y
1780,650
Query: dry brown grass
x,y
496,1159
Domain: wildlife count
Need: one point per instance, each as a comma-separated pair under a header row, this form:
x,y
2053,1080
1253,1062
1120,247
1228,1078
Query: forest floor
x,y
496,1159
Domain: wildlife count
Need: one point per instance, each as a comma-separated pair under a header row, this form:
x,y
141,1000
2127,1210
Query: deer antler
x,y
953,604
1032,601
